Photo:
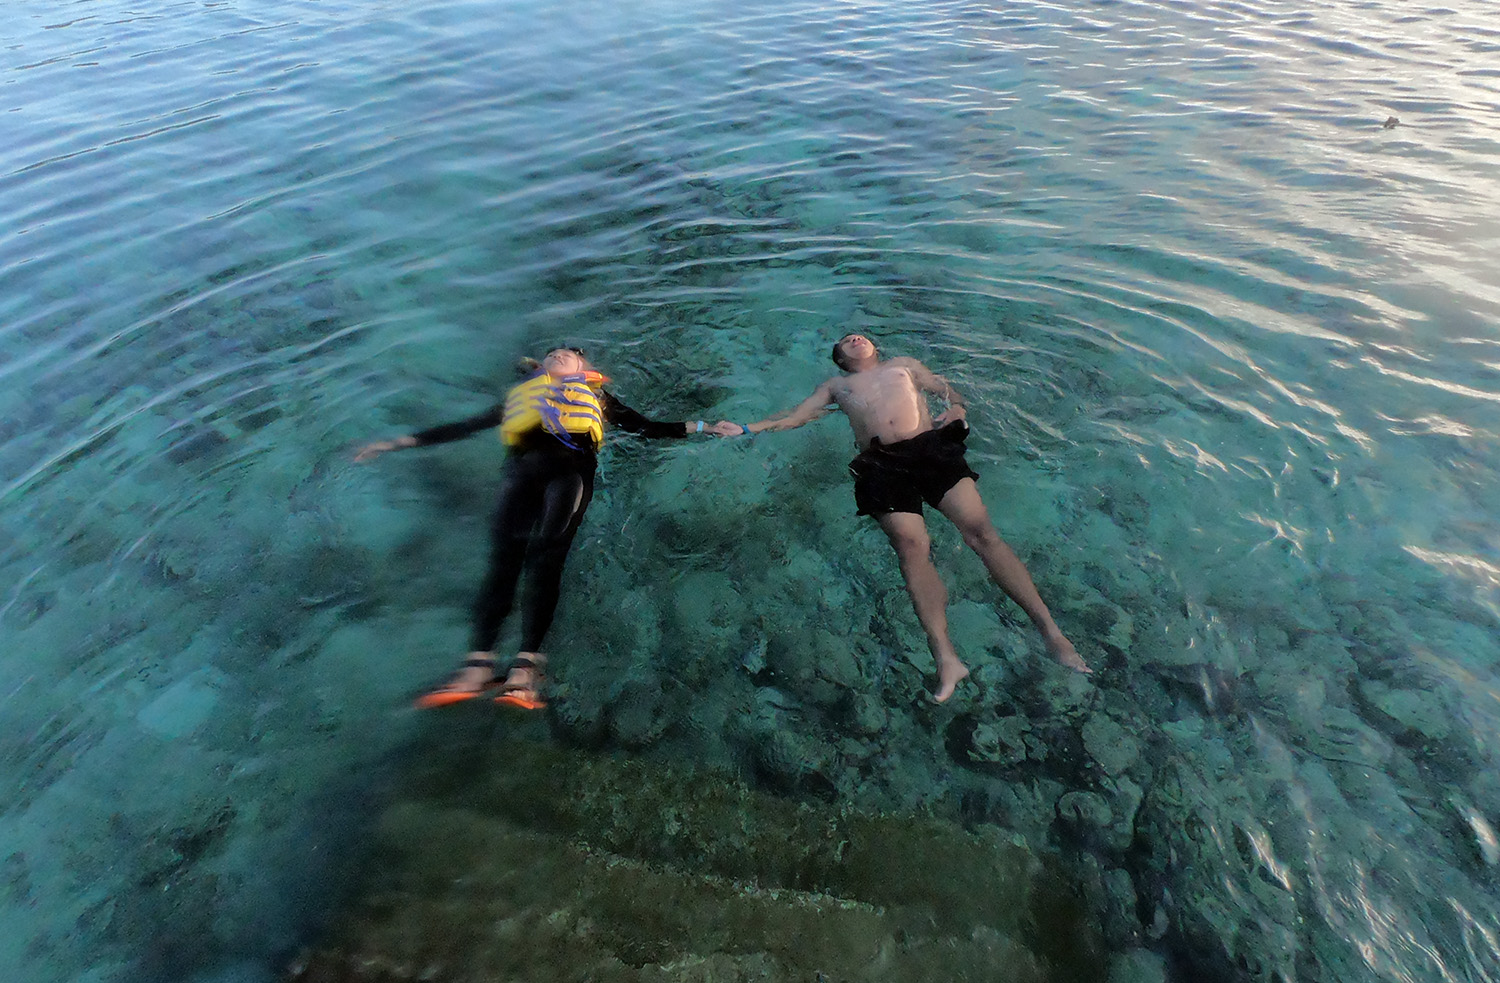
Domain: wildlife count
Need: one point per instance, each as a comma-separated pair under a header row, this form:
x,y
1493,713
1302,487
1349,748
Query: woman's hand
x,y
726,429
371,451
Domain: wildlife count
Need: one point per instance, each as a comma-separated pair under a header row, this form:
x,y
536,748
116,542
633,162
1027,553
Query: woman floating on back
x,y
552,425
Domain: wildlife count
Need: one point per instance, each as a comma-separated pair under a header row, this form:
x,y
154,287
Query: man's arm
x,y
805,412
930,382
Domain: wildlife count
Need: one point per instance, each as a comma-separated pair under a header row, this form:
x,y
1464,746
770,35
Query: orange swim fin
x,y
527,695
448,694
446,698
524,699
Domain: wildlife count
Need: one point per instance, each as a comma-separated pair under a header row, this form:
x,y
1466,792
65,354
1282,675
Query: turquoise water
x,y
1232,351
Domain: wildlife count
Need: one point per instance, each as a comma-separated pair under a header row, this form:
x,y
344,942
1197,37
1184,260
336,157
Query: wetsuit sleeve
x,y
459,429
618,414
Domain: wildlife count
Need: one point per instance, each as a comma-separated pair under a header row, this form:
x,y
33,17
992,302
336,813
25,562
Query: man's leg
x,y
908,534
963,506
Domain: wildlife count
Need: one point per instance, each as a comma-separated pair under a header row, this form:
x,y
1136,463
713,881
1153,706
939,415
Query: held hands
x,y
721,429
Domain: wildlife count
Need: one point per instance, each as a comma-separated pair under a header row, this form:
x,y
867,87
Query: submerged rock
x,y
638,713
184,707
868,716
1406,713
543,865
1087,813
1001,741
1482,833
1110,744
795,760
1138,966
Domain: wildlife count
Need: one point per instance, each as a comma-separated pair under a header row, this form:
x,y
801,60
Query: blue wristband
x,y
745,427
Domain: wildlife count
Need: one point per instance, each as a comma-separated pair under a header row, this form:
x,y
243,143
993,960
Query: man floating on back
x,y
907,458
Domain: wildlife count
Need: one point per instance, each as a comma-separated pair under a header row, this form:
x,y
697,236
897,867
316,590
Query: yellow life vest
x,y
565,406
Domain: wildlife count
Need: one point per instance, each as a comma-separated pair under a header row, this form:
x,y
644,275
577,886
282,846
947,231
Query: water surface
x,y
1232,349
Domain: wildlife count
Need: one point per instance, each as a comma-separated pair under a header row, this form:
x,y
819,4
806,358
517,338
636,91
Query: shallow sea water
x,y
1232,351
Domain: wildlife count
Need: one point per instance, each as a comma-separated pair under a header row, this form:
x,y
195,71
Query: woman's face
x,y
563,361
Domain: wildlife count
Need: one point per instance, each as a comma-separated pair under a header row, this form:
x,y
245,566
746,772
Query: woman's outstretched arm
x,y
440,434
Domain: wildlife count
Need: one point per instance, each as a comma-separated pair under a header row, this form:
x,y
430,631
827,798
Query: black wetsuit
x,y
544,490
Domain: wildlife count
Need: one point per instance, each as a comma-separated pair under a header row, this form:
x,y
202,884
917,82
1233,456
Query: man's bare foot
x,y
951,672
1063,651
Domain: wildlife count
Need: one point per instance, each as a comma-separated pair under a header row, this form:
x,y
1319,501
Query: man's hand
x,y
949,415
726,429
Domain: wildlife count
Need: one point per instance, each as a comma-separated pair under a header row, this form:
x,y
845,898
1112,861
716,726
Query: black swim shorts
x,y
899,477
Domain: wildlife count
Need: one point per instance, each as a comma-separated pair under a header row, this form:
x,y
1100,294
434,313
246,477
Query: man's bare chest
x,y
872,390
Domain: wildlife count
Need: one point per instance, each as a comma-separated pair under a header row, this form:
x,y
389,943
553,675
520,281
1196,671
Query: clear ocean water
x,y
1231,346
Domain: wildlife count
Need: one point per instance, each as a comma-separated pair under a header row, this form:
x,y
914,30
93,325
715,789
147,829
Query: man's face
x,y
562,361
856,347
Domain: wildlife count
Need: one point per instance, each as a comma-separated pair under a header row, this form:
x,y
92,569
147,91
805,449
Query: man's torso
x,y
883,402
